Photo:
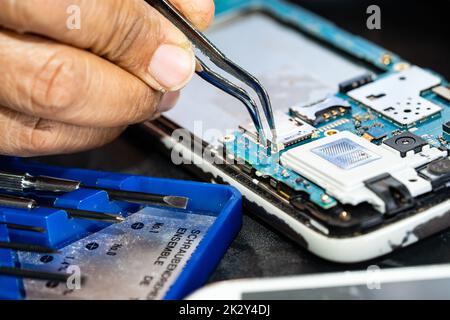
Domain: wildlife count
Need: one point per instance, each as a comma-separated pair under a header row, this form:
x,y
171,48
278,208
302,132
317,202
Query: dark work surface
x,y
259,251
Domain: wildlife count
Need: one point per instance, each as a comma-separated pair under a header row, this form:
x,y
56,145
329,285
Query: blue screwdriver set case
x,y
220,205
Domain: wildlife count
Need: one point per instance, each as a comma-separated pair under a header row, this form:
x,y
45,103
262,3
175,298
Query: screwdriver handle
x,y
22,182
12,182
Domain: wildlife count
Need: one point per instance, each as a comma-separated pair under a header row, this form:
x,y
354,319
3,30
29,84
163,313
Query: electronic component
x,y
394,194
375,133
356,82
290,130
443,92
446,127
406,143
345,153
321,111
343,163
397,96
439,167
438,172
245,167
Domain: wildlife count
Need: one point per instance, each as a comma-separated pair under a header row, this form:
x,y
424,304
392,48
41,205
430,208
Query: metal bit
x,y
26,247
20,183
29,204
33,274
149,199
92,215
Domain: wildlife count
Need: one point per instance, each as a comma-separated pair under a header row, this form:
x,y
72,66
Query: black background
x,y
417,31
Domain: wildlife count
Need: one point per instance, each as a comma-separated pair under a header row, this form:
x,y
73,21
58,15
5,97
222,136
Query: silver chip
x,y
345,154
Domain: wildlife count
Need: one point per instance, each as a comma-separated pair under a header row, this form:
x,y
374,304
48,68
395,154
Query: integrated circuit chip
x,y
376,133
345,153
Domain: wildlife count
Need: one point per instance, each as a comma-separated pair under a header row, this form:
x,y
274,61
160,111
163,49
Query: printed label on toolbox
x,y
137,259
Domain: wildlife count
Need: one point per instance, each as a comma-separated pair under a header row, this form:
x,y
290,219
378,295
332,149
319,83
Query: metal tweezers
x,y
220,60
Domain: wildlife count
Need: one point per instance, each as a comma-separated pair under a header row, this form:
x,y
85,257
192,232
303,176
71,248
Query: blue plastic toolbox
x,y
156,253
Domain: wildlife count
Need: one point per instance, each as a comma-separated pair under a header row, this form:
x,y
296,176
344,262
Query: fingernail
x,y
168,101
172,66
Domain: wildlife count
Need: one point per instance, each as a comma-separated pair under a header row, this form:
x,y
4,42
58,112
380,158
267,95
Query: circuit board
x,y
360,120
422,109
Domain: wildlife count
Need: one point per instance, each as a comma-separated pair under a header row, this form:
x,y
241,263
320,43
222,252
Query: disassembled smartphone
x,y
362,165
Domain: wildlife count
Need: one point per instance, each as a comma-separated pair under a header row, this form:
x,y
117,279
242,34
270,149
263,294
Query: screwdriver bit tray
x,y
156,252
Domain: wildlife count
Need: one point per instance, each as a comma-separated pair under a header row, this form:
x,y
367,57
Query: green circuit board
x,y
359,121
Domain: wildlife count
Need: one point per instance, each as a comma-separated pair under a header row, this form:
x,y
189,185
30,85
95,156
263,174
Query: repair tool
x,y
25,182
33,274
156,253
22,227
25,247
202,43
30,204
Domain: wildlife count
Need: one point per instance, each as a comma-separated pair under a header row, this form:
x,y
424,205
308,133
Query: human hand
x,y
65,90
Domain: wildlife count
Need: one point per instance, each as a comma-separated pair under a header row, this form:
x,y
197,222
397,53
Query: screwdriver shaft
x,y
29,204
33,274
149,199
91,215
22,227
26,247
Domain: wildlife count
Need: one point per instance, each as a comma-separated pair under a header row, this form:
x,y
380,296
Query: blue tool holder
x,y
223,201
10,288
